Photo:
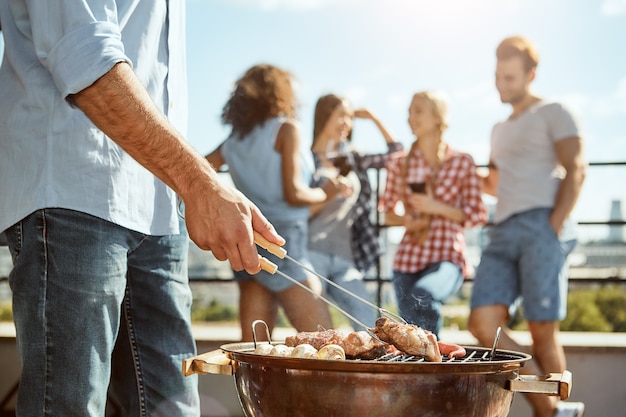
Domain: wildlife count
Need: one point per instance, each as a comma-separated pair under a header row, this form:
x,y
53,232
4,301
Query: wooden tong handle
x,y
269,246
267,265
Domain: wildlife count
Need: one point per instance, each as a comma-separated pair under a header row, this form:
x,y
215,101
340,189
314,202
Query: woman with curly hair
x,y
266,163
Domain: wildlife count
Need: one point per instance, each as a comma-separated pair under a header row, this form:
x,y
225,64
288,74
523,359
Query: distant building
x,y
616,232
603,258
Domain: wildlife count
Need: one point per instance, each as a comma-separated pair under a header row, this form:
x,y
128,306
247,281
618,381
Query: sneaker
x,y
566,409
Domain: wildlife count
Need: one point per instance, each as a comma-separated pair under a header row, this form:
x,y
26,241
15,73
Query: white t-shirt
x,y
523,151
330,230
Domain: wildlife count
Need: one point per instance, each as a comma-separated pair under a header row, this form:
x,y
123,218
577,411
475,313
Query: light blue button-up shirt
x,y
51,155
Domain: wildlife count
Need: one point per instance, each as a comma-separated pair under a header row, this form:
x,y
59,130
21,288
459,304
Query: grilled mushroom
x,y
263,349
281,350
333,352
304,351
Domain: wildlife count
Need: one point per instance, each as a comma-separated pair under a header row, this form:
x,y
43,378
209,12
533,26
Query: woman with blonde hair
x,y
441,194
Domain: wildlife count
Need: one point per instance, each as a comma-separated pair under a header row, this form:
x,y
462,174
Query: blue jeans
x,y
420,295
95,303
342,272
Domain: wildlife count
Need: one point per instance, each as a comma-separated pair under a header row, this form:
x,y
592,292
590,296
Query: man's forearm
x,y
119,105
567,196
218,218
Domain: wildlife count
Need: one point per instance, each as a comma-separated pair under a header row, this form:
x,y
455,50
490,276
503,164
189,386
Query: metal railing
x,y
378,276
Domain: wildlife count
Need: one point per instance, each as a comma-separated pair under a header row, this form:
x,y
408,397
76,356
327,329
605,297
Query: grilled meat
x,y
315,339
408,338
357,345
398,338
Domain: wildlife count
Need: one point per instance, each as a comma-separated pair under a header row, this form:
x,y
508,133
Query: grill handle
x,y
214,362
552,384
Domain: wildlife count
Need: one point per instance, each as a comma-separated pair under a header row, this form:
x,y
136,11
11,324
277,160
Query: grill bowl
x,y
276,386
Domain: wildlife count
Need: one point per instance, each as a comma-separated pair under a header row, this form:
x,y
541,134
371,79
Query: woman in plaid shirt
x,y
441,195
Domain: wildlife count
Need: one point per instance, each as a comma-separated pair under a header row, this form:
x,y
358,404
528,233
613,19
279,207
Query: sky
x,y
377,53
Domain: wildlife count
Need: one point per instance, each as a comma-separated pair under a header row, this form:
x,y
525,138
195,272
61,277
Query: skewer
x,y
272,268
282,253
495,344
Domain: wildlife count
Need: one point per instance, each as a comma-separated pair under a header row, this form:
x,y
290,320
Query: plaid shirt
x,y
364,240
458,185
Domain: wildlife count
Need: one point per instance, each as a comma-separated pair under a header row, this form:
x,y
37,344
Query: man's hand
x,y
223,221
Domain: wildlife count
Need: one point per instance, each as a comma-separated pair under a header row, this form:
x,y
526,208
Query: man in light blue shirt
x,y
92,124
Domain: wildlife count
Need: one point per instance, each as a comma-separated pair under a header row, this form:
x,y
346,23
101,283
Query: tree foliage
x,y
214,310
596,310
612,303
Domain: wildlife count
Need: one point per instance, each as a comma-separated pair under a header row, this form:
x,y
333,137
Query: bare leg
x,y
547,348
548,351
256,303
483,323
304,310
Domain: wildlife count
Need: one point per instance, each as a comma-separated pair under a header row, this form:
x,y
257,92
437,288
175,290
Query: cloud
x,y
603,105
614,7
479,89
610,104
481,96
357,94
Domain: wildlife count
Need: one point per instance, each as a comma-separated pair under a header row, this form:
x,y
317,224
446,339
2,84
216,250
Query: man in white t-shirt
x,y
536,170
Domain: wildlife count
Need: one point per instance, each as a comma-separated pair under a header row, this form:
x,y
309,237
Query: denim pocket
x,y
14,239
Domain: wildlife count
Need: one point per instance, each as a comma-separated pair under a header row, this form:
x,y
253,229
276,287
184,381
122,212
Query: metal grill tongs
x,y
281,253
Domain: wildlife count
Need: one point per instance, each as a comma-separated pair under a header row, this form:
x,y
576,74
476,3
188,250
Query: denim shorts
x,y
342,272
524,262
296,236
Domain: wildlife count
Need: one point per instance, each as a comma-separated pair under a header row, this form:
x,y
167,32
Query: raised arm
x,y
364,113
218,218
394,148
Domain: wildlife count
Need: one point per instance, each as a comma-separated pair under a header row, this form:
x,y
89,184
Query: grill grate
x,y
471,356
